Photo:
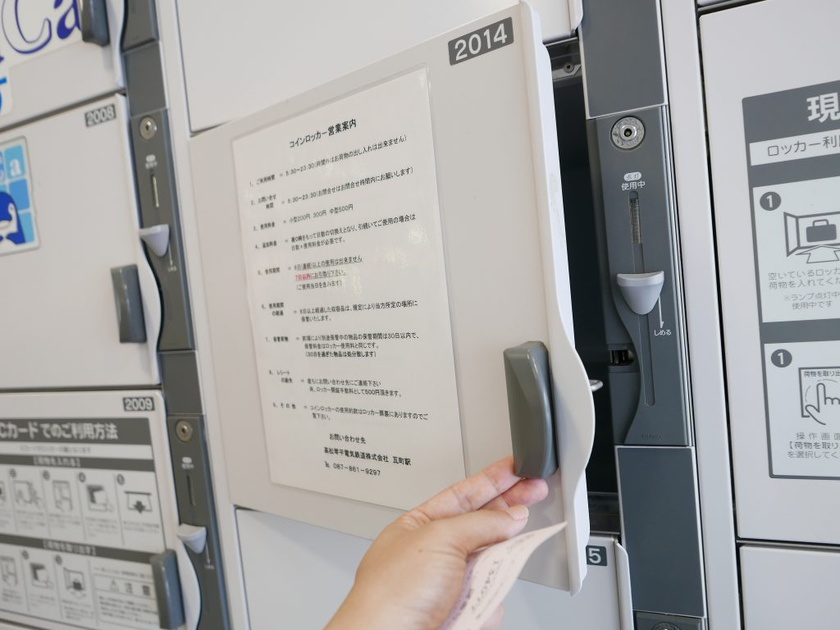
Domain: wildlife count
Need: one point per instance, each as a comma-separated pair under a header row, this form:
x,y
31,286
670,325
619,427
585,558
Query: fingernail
x,y
518,512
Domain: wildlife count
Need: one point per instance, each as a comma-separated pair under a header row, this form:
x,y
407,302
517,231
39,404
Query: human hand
x,y
413,573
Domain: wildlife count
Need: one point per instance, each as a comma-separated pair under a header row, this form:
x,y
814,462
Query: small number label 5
x,y
596,555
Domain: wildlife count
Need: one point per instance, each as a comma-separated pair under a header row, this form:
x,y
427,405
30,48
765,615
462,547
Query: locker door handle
x,y
129,301
190,588
93,22
529,403
170,601
176,589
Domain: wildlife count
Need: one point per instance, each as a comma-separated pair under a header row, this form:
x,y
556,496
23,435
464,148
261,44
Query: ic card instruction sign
x,y
80,519
346,284
793,151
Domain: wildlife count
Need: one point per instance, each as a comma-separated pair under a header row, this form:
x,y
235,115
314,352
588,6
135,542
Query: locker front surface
x,y
80,305
789,588
773,130
230,67
57,54
275,550
86,510
485,291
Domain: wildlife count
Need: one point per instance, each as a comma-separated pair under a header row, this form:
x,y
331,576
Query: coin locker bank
x,y
272,274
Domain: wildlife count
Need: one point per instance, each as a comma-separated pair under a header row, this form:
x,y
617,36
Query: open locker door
x,y
370,250
33,79
69,242
88,526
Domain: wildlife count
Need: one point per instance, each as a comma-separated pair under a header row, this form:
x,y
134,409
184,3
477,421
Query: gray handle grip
x,y
93,22
129,302
168,590
528,379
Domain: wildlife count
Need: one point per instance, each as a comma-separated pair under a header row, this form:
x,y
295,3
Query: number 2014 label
x,y
484,40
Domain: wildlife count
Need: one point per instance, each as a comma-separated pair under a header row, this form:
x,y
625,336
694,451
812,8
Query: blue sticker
x,y
18,230
27,226
15,162
19,190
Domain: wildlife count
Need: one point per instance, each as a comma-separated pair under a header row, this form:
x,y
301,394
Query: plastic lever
x,y
156,238
528,378
129,304
194,537
93,22
641,290
168,590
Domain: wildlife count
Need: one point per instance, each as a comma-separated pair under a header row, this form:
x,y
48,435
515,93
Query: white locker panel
x,y
305,572
505,276
242,57
789,588
67,217
86,500
34,80
774,125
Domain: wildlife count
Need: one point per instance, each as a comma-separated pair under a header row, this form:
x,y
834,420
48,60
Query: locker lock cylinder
x,y
148,128
183,430
628,133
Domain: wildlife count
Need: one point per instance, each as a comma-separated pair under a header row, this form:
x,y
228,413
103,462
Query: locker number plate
x,y
596,556
484,40
138,403
100,115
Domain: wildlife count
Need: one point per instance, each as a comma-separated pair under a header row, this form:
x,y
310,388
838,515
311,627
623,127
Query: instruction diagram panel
x,y
79,520
793,149
342,238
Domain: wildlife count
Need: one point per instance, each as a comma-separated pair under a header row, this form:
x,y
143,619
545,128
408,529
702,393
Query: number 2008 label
x,y
100,115
484,40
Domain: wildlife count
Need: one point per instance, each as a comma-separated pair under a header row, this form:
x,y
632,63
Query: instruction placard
x,y
793,149
79,520
346,284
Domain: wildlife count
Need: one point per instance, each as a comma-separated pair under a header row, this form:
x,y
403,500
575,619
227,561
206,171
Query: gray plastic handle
x,y
94,22
528,378
168,590
129,304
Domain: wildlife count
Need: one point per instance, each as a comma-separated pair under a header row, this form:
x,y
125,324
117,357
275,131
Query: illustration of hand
x,y
827,408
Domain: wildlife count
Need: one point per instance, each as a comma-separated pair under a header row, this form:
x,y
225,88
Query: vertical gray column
x,y
161,231
647,382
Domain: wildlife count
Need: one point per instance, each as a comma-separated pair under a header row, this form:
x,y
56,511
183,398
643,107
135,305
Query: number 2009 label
x,y
484,40
138,403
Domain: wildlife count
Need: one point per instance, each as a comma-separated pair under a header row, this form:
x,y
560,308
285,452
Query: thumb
x,y
474,530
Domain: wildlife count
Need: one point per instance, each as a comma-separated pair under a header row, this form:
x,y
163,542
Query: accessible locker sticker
x,y
347,291
793,149
18,231
80,519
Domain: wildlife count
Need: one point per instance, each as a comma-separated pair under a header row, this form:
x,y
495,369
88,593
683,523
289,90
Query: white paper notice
x,y
491,574
347,290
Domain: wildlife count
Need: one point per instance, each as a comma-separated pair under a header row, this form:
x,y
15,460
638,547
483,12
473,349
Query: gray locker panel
x,y
661,529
